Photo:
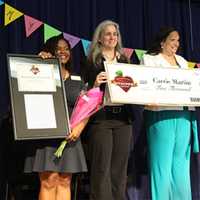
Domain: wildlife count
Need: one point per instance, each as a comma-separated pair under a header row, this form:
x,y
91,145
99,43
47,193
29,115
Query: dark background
x,y
139,20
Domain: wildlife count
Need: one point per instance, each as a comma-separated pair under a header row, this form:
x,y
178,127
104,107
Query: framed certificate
x,y
138,84
39,106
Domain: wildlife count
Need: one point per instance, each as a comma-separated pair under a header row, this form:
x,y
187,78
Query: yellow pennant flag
x,y
191,65
11,14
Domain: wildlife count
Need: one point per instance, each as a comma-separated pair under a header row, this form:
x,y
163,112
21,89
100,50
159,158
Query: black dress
x,y
40,155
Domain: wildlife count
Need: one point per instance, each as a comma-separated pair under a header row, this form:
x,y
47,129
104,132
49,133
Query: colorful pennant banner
x,y
32,24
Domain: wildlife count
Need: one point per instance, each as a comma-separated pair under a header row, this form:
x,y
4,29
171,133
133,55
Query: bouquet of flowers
x,y
86,105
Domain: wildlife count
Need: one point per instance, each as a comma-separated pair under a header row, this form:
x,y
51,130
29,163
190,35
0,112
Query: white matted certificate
x,y
38,99
35,77
138,84
40,112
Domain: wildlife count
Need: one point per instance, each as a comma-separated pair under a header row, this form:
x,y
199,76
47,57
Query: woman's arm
x,y
77,130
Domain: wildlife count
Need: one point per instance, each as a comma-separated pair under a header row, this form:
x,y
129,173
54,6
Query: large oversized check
x,y
138,84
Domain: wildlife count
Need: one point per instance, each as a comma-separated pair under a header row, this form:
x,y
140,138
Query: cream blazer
x,y
159,61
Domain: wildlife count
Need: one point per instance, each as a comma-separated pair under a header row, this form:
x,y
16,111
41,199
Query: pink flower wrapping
x,y
87,104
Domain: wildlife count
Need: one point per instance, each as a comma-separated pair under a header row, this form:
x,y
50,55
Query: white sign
x,y
138,84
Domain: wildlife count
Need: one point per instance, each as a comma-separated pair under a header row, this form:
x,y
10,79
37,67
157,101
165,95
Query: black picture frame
x,y
26,94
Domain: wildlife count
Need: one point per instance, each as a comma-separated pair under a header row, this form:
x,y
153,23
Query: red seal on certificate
x,y
35,70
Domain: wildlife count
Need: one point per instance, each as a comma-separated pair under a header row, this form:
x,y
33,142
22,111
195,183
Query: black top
x,y
72,91
124,112
91,70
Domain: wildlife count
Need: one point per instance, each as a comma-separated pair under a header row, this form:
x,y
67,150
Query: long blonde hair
x,y
95,47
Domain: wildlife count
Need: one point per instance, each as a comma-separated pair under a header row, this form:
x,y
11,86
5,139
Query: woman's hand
x,y
45,55
100,78
152,106
77,130
74,135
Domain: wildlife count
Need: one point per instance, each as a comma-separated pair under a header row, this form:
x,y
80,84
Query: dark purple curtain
x,y
139,20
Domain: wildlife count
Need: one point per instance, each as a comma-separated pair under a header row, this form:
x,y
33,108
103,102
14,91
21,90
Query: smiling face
x,y
109,37
171,44
63,51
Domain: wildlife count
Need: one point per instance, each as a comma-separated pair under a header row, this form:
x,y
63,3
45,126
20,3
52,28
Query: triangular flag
x,y
31,24
72,39
11,14
128,52
49,32
1,2
140,53
191,64
198,65
86,45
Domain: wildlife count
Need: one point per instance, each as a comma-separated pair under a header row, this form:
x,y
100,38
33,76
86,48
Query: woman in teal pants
x,y
169,129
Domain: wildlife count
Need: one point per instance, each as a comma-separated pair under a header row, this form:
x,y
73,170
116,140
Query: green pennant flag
x,y
140,53
49,32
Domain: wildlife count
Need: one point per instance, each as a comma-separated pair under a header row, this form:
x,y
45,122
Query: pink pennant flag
x,y
31,24
198,65
128,52
72,39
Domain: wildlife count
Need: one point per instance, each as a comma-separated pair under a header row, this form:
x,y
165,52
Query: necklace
x,y
65,74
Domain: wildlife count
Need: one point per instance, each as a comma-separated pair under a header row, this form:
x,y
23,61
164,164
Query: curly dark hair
x,y
51,46
155,47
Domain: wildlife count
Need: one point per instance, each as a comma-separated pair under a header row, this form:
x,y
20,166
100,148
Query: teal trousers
x,y
169,148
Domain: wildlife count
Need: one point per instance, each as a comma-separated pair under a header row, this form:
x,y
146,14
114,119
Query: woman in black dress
x,y
55,173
